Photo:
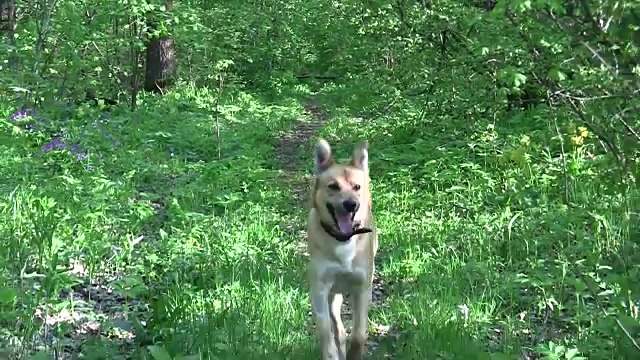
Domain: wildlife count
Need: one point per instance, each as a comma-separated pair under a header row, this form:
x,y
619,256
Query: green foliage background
x,y
504,142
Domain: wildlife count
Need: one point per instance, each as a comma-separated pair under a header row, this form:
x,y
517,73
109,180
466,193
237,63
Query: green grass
x,y
490,223
490,247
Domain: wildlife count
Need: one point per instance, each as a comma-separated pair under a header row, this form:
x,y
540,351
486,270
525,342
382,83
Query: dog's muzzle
x,y
344,227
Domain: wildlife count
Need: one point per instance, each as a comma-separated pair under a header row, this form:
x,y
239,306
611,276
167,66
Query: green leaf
x,y
7,295
159,353
40,355
455,188
524,6
519,79
19,89
500,356
557,75
571,353
189,357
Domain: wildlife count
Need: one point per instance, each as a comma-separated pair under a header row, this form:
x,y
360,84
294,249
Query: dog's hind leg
x,y
360,306
339,334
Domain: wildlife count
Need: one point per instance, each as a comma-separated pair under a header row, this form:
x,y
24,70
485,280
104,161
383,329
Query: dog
x,y
342,244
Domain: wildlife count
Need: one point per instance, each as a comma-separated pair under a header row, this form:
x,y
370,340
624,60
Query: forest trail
x,y
300,140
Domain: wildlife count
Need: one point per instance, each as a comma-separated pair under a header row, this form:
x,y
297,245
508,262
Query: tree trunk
x,y
160,61
160,64
8,25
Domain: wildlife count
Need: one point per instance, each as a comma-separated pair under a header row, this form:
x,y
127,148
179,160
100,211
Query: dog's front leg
x,y
360,324
322,314
340,335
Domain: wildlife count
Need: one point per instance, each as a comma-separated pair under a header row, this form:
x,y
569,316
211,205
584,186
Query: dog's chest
x,y
343,270
341,276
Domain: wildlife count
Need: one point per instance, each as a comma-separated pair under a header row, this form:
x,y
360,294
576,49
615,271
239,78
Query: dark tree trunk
x,y
160,64
8,25
160,61
7,14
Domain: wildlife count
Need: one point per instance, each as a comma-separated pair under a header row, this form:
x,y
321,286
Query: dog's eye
x,y
356,187
334,187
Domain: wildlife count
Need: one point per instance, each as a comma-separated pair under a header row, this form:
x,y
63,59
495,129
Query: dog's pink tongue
x,y
345,223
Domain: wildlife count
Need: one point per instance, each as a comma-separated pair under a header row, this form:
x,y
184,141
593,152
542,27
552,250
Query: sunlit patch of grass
x,y
491,246
163,213
492,243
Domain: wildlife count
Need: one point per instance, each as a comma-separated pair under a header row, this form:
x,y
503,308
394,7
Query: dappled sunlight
x,y
148,216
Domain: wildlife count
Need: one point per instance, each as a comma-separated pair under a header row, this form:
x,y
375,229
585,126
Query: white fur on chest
x,y
340,270
346,252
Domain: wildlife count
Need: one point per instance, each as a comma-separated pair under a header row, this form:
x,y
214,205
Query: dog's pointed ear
x,y
323,157
361,156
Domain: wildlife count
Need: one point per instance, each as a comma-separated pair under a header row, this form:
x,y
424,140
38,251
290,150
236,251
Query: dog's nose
x,y
349,205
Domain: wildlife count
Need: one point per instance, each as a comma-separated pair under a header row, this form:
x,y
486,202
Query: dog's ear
x,y
323,157
312,193
361,157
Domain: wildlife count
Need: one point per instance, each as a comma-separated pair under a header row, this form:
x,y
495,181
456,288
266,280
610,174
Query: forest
x,y
155,160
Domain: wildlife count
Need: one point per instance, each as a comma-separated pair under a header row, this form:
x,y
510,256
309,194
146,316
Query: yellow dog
x,y
342,245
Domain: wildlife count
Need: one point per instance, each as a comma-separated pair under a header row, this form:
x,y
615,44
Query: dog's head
x,y
341,191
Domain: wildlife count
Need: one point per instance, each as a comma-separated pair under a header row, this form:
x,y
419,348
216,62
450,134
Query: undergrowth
x,y
504,161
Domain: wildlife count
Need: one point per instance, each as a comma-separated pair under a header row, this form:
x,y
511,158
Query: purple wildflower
x,y
20,114
55,143
82,155
75,149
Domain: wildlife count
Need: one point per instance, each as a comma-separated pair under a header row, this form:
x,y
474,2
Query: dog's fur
x,y
341,266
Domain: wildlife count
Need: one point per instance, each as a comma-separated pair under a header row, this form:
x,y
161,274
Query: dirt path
x,y
291,146
289,152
